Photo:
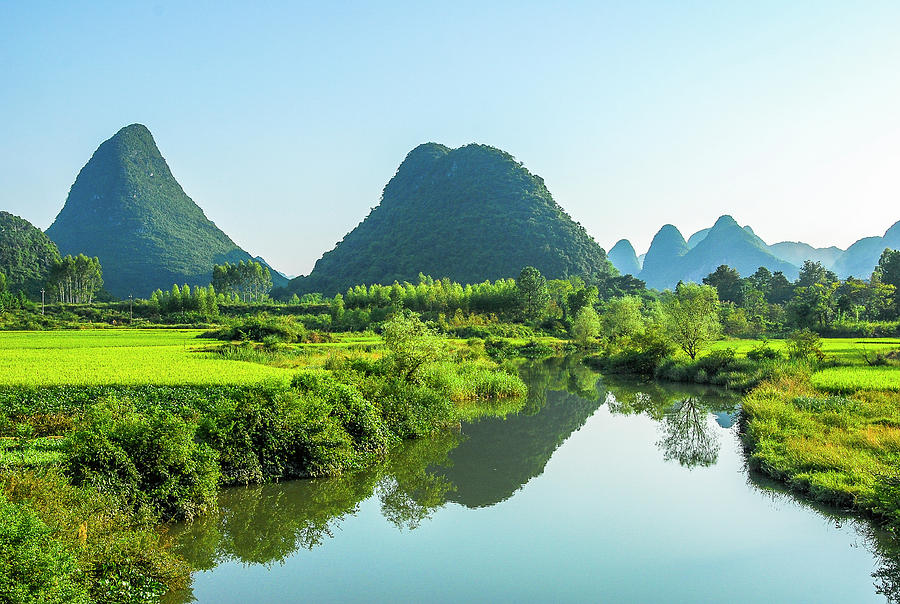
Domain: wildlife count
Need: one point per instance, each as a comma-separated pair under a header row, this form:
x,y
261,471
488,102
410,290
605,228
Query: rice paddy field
x,y
121,357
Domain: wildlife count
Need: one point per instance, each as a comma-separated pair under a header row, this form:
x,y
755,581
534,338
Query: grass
x,y
846,380
839,449
121,357
844,350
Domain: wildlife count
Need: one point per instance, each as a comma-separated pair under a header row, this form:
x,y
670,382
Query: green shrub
x,y
148,458
804,343
763,352
34,567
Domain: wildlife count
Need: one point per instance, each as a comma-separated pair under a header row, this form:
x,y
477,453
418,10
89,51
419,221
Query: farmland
x,y
121,357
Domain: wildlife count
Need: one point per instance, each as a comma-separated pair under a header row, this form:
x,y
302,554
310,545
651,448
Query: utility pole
x,y
42,300
130,308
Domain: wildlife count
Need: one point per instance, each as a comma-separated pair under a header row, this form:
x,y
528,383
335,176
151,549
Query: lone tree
x,y
411,343
532,292
586,326
692,317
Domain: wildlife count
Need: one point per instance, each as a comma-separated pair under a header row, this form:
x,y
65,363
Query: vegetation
x,y
443,213
75,280
147,453
26,255
128,210
251,281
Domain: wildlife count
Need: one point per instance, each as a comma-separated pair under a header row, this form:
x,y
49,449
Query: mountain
x,y
663,259
729,243
26,255
796,252
126,208
861,258
697,237
670,259
623,258
470,214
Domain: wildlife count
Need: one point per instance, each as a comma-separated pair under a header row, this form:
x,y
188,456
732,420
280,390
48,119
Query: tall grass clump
x,y
837,449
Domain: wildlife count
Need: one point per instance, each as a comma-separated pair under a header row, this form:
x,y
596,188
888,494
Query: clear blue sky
x,y
285,121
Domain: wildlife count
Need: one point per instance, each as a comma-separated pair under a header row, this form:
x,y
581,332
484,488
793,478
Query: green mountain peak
x,y
470,214
126,208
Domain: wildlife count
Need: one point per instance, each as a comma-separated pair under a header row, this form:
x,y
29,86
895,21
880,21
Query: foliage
x,y
250,281
34,567
804,344
532,293
411,344
75,280
26,255
121,557
147,458
586,326
622,318
261,327
692,317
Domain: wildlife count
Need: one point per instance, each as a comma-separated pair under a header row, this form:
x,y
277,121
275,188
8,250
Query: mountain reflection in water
x,y
483,464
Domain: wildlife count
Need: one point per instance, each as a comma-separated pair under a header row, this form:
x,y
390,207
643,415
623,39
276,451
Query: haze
x,y
284,123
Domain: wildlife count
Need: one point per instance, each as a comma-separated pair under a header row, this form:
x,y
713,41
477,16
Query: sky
x,y
284,121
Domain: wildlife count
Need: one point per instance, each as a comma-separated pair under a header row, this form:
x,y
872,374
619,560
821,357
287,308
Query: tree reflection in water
x,y
485,463
688,436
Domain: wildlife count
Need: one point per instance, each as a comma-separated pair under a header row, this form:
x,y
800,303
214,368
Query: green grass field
x,y
121,357
845,350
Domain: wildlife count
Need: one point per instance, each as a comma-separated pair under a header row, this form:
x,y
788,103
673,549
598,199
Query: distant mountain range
x,y
671,259
470,214
126,208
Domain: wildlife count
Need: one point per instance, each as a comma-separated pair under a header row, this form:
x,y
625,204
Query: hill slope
x,y
624,259
729,243
26,255
470,214
662,263
796,252
126,208
861,258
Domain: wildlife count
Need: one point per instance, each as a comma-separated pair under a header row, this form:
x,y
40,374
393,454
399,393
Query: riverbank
x,y
826,423
89,470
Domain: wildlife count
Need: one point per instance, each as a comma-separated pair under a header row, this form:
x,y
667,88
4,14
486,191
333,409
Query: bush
x,y
763,352
716,361
33,566
261,328
805,343
121,557
148,459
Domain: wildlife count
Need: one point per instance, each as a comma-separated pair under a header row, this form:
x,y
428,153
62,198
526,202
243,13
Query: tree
x,y
727,282
580,298
692,317
888,271
586,326
622,318
812,273
532,293
410,342
250,281
75,280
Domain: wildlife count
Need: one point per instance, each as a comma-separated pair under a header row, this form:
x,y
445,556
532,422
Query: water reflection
x,y
883,544
687,416
485,463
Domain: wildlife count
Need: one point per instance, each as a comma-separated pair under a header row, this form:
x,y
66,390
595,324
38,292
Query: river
x,y
594,489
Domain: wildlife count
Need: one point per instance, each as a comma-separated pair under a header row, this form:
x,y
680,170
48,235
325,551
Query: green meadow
x,y
121,357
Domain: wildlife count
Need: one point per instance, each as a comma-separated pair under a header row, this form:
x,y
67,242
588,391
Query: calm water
x,y
596,489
